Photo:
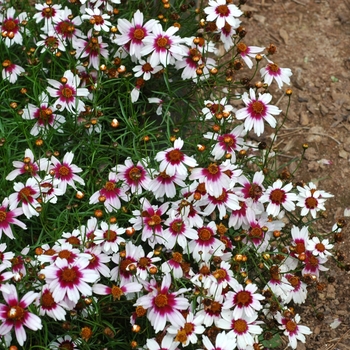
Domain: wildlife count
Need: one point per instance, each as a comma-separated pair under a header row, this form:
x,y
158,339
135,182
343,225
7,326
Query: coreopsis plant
x,y
138,211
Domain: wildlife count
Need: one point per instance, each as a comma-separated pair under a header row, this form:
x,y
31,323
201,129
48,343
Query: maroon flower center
x,y
110,235
243,298
177,257
139,34
277,196
68,275
258,107
319,246
116,292
175,156
67,92
161,300
16,313
311,203
66,28
154,220
256,232
177,225
73,240
109,186
222,10
255,191
213,168
64,254
204,234
135,174
98,19
240,326
147,67
48,12
47,300
9,25
25,194
241,47
3,215
64,170
273,67
66,345
291,326
162,42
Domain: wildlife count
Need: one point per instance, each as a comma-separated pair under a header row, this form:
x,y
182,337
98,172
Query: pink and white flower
x,y
98,19
311,200
247,52
66,171
44,115
221,12
273,71
173,160
145,70
257,111
164,46
26,195
47,305
206,244
110,194
227,143
8,217
217,109
292,329
222,342
117,291
68,93
279,196
134,176
11,71
163,305
50,15
14,314
109,237
10,26
319,248
244,300
69,281
243,328
133,33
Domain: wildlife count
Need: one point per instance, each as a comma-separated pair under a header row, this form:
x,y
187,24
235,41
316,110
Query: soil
x,y
313,39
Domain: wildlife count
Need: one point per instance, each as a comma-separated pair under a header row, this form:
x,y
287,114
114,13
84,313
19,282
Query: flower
x,y
206,244
257,111
319,248
49,14
110,194
299,292
51,42
109,237
145,70
67,92
165,47
245,300
243,328
173,160
220,12
11,71
48,306
187,332
65,342
9,217
166,344
311,200
28,166
15,314
98,20
248,51
227,143
292,329
277,196
215,177
117,291
218,109
273,71
10,26
67,280
92,48
134,176
66,171
222,342
164,306
133,33
66,26
44,115
27,195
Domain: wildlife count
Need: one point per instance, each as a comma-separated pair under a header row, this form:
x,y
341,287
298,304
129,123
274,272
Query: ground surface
x,y
313,39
